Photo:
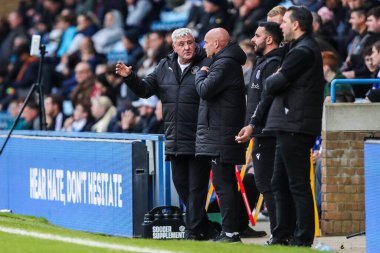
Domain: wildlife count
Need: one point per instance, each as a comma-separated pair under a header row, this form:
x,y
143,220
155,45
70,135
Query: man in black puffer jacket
x,y
173,82
221,116
296,116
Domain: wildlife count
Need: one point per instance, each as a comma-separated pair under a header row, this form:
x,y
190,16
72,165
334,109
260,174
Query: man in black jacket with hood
x,y
221,116
296,116
173,82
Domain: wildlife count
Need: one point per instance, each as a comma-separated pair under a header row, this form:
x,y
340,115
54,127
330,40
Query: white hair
x,y
181,32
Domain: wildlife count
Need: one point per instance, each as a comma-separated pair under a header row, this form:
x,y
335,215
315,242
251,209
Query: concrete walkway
x,y
337,243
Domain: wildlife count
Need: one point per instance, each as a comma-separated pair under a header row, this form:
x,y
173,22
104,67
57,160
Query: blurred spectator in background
x,y
213,14
31,119
354,66
66,23
14,108
146,108
86,27
249,50
103,111
17,29
110,34
368,61
127,50
125,122
155,48
140,13
250,14
85,85
343,92
4,29
323,41
374,94
276,14
86,53
158,127
103,88
53,110
312,5
26,67
50,10
80,121
124,95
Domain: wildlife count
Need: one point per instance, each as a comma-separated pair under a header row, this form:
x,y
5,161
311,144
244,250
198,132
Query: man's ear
x,y
269,40
295,25
216,43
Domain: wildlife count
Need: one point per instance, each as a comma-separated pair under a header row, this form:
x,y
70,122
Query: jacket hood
x,y
233,51
275,52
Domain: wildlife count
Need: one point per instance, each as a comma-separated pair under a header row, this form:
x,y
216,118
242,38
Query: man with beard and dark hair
x,y
296,117
266,41
221,115
173,82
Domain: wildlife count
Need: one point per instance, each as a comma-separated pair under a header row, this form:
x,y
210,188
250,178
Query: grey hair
x,y
181,32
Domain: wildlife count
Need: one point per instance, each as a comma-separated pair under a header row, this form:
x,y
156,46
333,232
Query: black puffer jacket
x,y
222,106
180,100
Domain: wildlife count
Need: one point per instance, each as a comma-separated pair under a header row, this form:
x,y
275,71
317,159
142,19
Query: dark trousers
x,y
291,183
226,188
190,178
263,154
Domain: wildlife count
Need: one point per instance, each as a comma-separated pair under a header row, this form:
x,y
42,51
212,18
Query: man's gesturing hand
x,y
122,69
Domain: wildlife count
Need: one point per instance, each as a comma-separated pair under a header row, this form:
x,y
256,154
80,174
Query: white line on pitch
x,y
84,242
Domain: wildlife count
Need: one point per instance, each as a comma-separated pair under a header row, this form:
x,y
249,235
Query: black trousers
x,y
263,154
190,177
291,183
226,188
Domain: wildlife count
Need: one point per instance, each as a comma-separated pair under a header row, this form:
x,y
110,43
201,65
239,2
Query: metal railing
x,y
349,81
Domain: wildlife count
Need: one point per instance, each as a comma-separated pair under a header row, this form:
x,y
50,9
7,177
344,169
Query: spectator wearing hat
x,y
146,108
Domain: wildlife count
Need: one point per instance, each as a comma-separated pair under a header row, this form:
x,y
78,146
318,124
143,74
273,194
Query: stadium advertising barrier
x,y
85,181
372,193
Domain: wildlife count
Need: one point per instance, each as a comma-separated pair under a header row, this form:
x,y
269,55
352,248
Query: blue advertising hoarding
x,y
75,182
372,193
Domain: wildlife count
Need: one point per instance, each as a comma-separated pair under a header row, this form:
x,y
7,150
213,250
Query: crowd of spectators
x,y
85,39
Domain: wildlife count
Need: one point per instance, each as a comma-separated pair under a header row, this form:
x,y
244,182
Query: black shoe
x,y
211,232
273,242
192,236
251,233
227,239
295,243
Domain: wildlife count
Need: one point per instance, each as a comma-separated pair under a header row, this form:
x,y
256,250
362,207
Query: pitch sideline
x,y
84,242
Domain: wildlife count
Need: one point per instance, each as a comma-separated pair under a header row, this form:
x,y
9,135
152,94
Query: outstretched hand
x,y
122,69
245,134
